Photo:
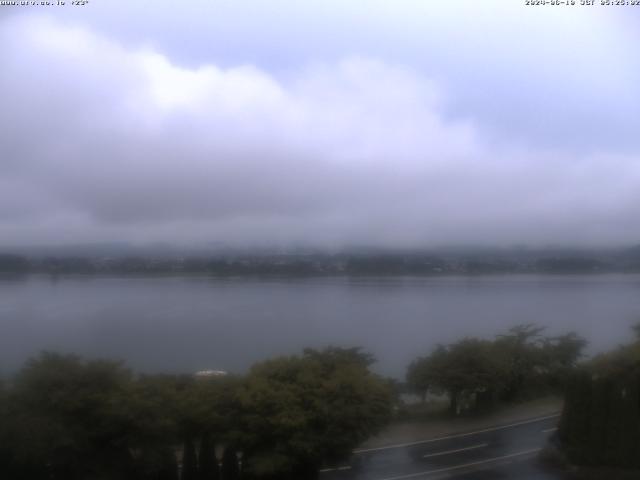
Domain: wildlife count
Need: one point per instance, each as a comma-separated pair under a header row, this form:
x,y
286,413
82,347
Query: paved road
x,y
496,453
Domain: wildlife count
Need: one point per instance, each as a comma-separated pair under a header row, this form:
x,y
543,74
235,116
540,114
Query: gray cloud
x,y
105,140
552,77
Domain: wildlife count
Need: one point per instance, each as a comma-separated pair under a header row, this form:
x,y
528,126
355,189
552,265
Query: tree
x,y
521,352
475,372
154,432
230,470
561,355
181,410
301,411
423,373
536,363
189,460
207,465
69,419
600,423
469,371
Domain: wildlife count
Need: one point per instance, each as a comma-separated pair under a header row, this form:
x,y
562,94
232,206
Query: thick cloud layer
x,y
104,141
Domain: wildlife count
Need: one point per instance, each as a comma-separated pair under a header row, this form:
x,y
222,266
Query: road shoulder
x,y
399,432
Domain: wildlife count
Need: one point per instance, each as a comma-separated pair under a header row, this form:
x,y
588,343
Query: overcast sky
x,y
330,123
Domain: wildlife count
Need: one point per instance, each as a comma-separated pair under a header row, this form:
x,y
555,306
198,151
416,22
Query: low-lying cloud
x,y
104,142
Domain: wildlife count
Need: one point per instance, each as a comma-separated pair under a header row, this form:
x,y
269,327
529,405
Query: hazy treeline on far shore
x,y
316,262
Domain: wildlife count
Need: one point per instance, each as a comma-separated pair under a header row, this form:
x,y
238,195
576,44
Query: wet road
x,y
501,452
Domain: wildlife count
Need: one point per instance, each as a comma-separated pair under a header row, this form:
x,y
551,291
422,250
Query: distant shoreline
x,y
346,264
275,276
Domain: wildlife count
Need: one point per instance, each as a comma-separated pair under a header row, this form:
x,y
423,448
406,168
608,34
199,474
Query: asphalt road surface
x,y
494,453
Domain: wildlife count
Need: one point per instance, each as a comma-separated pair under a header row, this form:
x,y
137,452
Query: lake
x,y
184,324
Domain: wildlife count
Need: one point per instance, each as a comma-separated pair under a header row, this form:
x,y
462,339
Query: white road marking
x,y
465,465
550,430
447,452
458,435
345,467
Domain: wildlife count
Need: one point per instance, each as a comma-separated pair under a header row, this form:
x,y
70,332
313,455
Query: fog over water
x,y
184,324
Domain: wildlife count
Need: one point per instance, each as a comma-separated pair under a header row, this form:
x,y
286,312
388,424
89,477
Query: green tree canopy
x,y
303,410
69,419
518,363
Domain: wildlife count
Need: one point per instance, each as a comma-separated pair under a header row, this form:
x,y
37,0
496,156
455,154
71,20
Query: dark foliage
x,y
476,373
600,424
65,418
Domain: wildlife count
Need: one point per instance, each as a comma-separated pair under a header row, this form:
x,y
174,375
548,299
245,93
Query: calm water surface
x,y
192,323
